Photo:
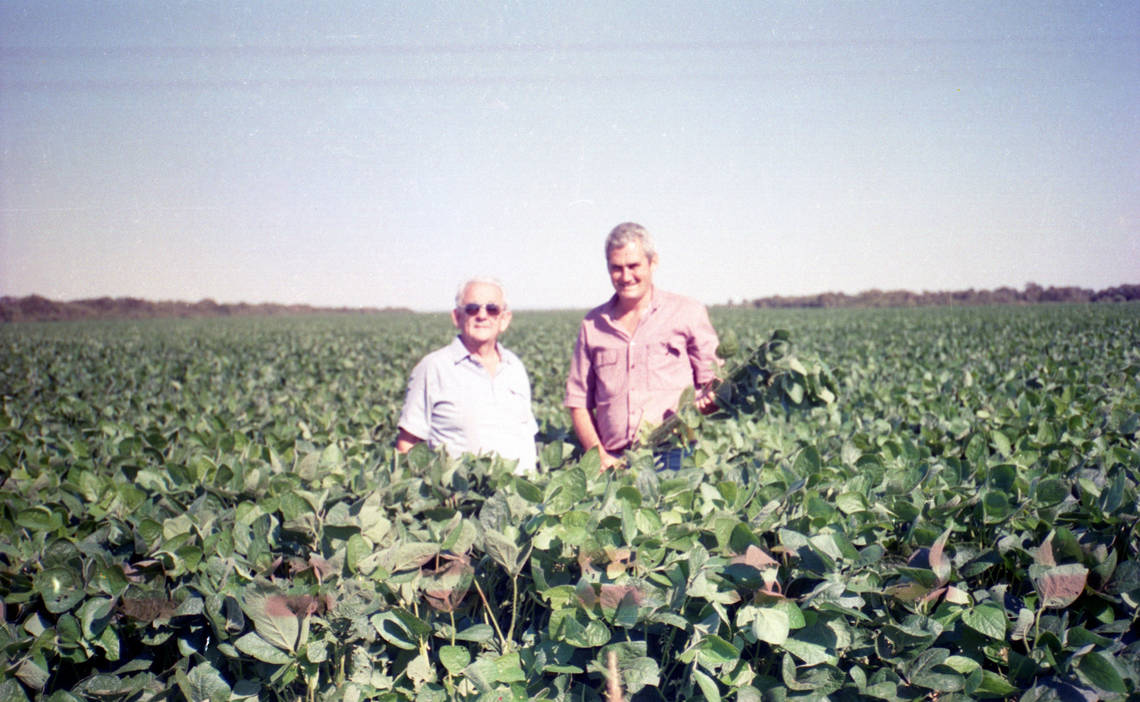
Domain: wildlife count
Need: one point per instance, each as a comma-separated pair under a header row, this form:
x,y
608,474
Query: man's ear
x,y
455,319
504,321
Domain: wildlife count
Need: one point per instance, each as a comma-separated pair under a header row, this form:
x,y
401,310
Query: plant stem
x,y
514,604
515,591
490,614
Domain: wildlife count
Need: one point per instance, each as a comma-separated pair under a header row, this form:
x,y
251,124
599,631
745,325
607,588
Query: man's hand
x,y
405,440
583,421
706,401
609,460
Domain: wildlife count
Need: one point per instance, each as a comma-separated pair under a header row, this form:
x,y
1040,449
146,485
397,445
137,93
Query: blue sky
x,y
374,154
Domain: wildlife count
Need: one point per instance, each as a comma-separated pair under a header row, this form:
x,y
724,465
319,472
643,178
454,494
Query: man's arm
x,y
583,421
405,440
416,412
578,394
702,346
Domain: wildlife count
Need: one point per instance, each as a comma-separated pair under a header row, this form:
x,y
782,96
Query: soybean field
x,y
939,503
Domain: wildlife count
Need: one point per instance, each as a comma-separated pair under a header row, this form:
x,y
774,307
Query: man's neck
x,y
623,307
485,351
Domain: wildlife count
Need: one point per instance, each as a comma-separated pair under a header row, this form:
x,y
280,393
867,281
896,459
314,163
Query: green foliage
x,y
213,510
770,377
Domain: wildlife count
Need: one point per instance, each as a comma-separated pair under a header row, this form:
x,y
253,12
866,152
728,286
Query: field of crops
x,y
212,510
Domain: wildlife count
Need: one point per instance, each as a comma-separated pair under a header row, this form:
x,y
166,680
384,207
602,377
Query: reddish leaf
x,y
1044,554
611,595
938,562
754,556
1059,585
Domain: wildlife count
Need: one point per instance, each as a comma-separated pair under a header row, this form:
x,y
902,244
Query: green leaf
x,y
1001,443
572,626
1051,491
404,556
708,686
795,392
205,682
272,618
110,580
994,685
246,690
528,490
850,503
987,620
401,628
1099,672
39,519
31,672
771,625
177,526
106,686
317,651
253,645
813,645
293,506
483,671
510,668
713,651
928,670
94,615
477,633
356,550
996,506
420,670
454,658
566,489
788,674
628,612
60,588
962,664
503,550
108,640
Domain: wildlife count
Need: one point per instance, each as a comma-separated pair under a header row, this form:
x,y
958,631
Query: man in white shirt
x,y
473,395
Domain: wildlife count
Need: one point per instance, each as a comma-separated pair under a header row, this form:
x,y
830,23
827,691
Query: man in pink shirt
x,y
636,353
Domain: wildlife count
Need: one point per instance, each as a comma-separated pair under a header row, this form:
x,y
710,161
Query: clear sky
x,y
376,153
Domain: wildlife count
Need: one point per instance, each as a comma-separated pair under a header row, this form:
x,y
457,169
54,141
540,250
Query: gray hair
x,y
479,279
629,232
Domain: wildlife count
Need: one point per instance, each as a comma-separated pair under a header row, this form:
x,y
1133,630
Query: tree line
x,y
35,308
1031,294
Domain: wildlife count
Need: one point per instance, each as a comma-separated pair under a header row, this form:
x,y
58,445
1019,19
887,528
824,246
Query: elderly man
x,y
636,353
473,395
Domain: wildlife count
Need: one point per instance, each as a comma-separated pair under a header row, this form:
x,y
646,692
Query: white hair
x,y
479,280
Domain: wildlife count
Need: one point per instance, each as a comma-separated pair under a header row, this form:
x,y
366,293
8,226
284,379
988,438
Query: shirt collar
x,y
457,352
611,305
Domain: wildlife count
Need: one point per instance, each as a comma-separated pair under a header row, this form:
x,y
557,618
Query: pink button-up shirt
x,y
630,380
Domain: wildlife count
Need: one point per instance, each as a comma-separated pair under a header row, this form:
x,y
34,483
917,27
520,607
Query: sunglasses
x,y
472,308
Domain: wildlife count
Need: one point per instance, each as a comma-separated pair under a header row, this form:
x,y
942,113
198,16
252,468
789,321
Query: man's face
x,y
631,272
481,326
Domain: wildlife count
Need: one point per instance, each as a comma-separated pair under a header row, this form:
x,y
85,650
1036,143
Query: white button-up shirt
x,y
453,402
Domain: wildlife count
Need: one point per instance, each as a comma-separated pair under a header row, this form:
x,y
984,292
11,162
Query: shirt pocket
x,y
518,406
610,372
669,364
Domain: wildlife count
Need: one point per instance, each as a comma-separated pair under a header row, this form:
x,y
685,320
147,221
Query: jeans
x,y
670,459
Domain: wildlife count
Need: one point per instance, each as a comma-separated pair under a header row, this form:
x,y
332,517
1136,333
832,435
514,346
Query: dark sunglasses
x,y
472,308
